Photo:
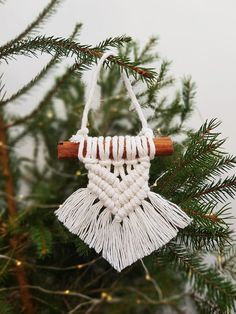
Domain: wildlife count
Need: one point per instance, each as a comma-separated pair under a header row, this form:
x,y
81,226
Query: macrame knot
x,y
76,138
105,163
117,214
147,132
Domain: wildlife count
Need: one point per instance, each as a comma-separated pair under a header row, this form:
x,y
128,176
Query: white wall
x,y
199,36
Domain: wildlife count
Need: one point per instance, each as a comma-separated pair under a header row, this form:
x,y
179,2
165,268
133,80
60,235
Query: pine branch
x,y
188,96
76,32
161,82
65,47
49,95
226,260
146,53
42,239
193,165
205,306
5,306
210,237
115,42
217,191
43,16
205,214
206,281
41,75
221,165
209,229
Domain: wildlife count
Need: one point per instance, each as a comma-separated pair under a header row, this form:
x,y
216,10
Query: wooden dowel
x,y
163,144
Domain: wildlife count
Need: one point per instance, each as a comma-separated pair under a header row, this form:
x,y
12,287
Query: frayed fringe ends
x,y
150,226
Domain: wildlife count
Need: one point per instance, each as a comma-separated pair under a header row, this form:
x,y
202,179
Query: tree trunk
x,y
12,214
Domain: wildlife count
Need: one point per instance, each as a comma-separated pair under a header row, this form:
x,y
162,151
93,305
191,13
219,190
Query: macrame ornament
x,y
117,214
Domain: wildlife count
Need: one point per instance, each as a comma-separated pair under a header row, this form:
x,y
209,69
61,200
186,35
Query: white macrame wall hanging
x,y
117,214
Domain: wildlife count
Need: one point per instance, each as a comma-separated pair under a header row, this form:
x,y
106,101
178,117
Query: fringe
x,y
150,226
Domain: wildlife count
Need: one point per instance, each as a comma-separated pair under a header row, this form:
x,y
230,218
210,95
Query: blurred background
x,y
197,36
196,271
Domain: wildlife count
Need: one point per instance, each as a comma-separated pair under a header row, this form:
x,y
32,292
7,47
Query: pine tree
x,y
44,268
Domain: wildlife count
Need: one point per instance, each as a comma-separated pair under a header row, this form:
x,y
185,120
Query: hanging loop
x,y
83,131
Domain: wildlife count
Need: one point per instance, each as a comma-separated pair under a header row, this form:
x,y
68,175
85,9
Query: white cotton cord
x,y
80,134
94,149
134,152
93,88
134,100
101,149
115,153
88,148
121,141
107,162
128,149
81,149
83,131
152,147
141,150
117,214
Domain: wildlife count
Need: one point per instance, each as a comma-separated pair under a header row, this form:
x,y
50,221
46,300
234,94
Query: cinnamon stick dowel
x,y
163,144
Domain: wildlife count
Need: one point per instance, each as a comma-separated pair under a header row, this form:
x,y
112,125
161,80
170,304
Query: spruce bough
x,y
45,269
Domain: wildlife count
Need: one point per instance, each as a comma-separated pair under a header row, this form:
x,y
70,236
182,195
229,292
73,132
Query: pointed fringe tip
x,y
150,226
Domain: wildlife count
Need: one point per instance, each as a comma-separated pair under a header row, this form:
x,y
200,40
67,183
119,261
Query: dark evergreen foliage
x,y
195,271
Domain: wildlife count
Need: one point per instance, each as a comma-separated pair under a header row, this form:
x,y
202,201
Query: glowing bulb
x,y
138,301
147,277
18,263
219,258
79,266
67,291
109,298
50,114
189,274
104,295
78,173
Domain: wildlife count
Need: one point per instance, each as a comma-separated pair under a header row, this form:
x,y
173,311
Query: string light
x,y
159,131
18,263
109,298
44,251
149,278
190,274
67,291
104,295
138,301
219,258
79,266
49,114
78,173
